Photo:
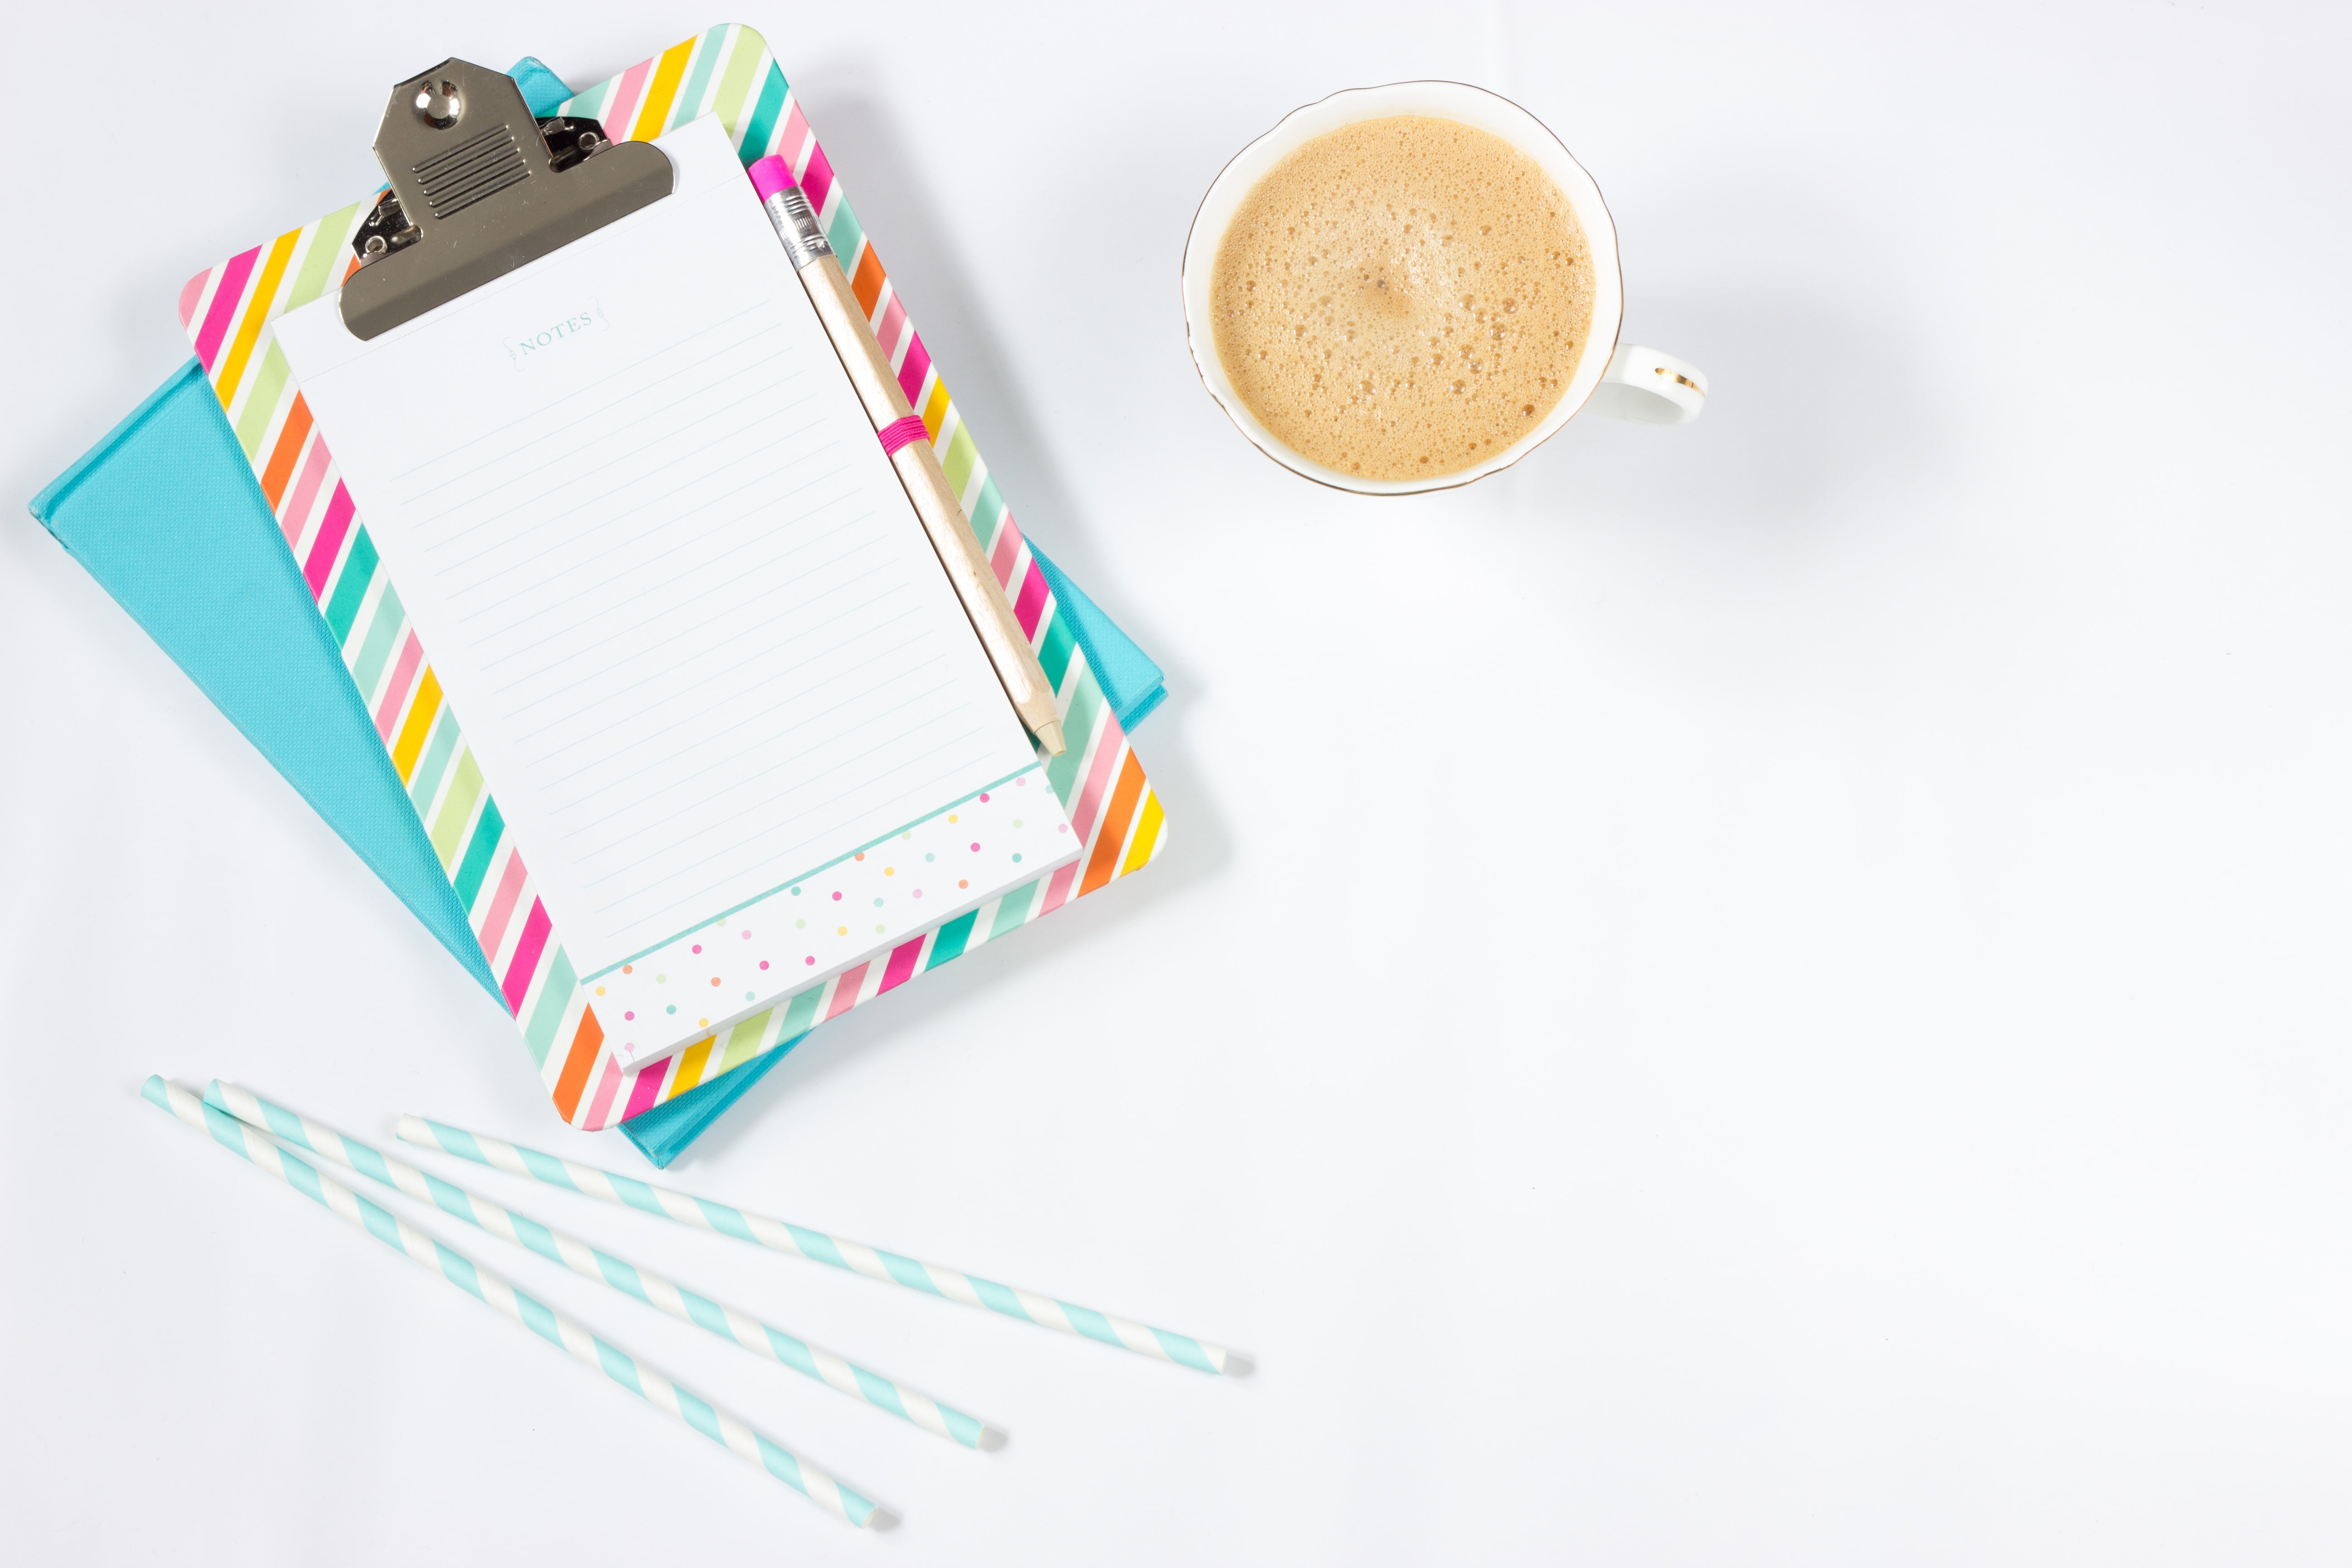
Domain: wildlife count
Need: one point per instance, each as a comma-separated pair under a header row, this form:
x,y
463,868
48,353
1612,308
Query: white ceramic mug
x,y
1616,379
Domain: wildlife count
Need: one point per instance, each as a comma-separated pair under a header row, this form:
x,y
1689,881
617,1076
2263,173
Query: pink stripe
x,y
412,653
1031,604
645,1086
604,1100
1058,889
794,139
892,327
817,180
616,113
1007,552
190,292
902,965
526,956
233,274
329,542
846,990
1091,798
306,489
493,928
918,365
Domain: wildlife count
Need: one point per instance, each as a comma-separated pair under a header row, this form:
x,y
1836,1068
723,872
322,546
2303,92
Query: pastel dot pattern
x,y
987,843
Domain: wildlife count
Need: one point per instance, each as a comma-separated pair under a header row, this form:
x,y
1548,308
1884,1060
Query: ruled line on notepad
x,y
776,765
741,576
741,412
694,569
585,388
545,758
666,671
714,765
783,463
917,791
621,510
838,770
615,732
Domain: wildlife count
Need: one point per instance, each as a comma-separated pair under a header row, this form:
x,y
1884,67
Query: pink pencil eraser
x,y
772,174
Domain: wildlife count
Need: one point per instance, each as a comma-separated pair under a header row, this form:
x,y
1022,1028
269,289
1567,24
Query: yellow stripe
x,y
420,724
248,331
1147,835
655,111
689,1069
935,412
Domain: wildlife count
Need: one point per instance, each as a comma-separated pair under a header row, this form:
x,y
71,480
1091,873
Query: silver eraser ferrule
x,y
796,226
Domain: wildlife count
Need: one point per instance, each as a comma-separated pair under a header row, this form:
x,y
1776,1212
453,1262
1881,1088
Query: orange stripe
x,y
690,1062
582,1057
658,97
1120,812
291,436
1147,835
419,725
248,331
868,284
935,412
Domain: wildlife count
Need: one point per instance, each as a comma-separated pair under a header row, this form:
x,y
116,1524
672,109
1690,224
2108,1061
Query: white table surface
x,y
1772,992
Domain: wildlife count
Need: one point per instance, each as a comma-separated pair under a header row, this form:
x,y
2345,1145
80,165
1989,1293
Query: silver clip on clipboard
x,y
479,187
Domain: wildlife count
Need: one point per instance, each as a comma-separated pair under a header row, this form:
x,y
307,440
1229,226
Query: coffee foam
x,y
1402,298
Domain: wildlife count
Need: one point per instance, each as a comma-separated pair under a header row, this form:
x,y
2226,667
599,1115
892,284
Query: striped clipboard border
x,y
228,312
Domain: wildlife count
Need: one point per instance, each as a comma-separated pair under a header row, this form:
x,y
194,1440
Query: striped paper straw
x,y
592,1263
477,1281
858,1259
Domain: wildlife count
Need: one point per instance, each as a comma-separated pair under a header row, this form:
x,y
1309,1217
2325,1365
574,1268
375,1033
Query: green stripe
x,y
1078,725
961,459
449,828
376,647
1013,911
765,115
552,1002
1054,653
951,937
427,783
261,401
742,1041
590,105
737,83
706,59
987,512
359,568
802,1011
844,235
311,281
468,884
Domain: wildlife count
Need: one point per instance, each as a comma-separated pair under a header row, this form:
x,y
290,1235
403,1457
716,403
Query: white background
x,y
1769,992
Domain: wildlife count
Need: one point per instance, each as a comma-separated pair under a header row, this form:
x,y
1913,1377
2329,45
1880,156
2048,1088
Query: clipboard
x,y
228,310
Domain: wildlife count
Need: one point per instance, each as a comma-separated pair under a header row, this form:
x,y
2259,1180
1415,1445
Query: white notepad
x,y
672,586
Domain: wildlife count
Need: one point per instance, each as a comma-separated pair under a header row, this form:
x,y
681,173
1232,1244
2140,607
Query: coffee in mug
x,y
1402,297
1407,288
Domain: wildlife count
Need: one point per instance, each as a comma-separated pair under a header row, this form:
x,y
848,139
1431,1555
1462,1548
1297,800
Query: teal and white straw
x,y
592,1263
783,1236
553,1327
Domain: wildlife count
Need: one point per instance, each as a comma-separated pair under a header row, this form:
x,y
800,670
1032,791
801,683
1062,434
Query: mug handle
x,y
1649,387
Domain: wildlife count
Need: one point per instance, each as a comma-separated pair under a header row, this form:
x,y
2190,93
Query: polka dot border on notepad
x,y
990,841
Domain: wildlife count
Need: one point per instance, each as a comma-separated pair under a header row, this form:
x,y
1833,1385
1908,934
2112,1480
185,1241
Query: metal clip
x,y
479,188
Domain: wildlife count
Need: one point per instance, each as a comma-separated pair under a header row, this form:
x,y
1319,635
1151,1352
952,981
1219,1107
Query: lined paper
x,y
670,580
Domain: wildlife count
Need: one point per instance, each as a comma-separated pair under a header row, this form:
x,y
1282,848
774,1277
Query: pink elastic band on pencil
x,y
902,433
